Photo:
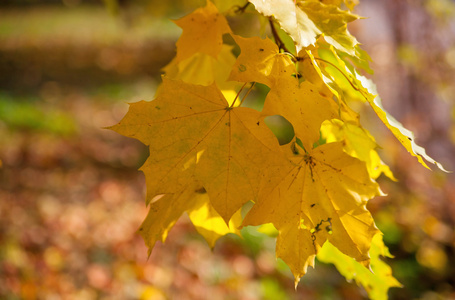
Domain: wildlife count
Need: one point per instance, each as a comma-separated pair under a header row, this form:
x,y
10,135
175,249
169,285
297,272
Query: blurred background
x,y
71,197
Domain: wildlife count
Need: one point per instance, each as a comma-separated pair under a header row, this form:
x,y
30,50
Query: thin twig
x,y
237,96
241,9
277,38
247,93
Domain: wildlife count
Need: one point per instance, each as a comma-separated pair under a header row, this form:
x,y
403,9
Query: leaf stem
x,y
237,96
277,38
241,9
247,93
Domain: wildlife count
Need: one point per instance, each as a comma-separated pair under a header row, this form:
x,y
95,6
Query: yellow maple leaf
x,y
331,68
358,142
167,209
195,135
209,223
305,21
202,68
302,105
310,71
260,61
203,32
162,215
350,4
404,135
322,197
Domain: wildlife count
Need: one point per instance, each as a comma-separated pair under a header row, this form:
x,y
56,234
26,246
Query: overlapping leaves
x,y
209,155
322,197
306,20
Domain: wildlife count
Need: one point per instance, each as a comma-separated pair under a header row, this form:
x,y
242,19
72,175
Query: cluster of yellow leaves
x,y
209,155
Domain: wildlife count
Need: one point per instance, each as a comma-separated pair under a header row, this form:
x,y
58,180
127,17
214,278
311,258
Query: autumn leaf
x,y
404,135
322,197
310,71
260,61
302,105
202,68
336,75
195,135
350,4
167,209
332,21
162,215
376,281
358,142
305,21
203,32
208,222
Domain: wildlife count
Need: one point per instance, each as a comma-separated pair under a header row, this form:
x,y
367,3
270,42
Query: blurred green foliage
x,y
28,114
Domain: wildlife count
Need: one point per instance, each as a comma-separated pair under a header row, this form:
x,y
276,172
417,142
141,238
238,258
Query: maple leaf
x,y
305,21
167,209
302,105
350,4
208,222
332,68
358,142
162,215
312,73
405,136
376,281
195,135
322,197
202,68
203,32
260,61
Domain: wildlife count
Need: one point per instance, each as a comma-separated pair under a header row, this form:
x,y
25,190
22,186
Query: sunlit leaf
x,y
322,197
302,105
203,32
202,68
338,76
209,223
260,61
305,21
376,281
357,142
194,134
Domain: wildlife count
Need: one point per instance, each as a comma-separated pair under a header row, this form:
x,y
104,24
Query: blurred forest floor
x,y
71,198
